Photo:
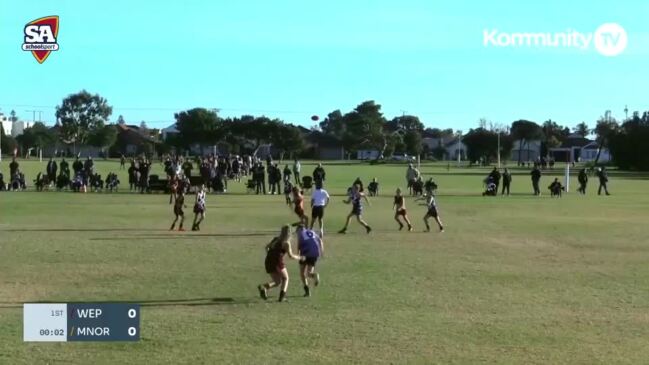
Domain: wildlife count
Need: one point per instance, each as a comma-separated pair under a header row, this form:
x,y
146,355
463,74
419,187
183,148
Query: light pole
x,y
459,147
498,149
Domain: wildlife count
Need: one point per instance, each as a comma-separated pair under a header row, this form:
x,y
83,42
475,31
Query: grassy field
x,y
515,280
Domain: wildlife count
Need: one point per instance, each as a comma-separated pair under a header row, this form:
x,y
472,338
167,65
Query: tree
x,y
605,129
553,134
413,141
582,129
287,138
628,144
364,127
80,114
525,131
103,137
120,120
37,136
12,116
198,125
8,143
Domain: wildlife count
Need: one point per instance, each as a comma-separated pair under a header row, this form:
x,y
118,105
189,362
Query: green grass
x,y
518,280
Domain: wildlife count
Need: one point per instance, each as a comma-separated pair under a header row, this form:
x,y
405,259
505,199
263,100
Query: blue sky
x,y
294,59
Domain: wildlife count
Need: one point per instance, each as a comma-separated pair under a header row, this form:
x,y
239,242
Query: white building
x,y
170,130
14,129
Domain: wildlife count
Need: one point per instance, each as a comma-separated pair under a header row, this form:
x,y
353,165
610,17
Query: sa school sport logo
x,y
40,37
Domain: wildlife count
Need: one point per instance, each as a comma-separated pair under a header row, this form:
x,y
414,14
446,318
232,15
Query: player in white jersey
x,y
199,208
319,200
431,212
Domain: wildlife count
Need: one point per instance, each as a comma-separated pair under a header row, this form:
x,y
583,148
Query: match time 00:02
x,y
54,332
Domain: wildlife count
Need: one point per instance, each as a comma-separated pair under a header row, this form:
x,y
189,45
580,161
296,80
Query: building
x,y
368,154
169,131
576,148
454,148
526,150
14,129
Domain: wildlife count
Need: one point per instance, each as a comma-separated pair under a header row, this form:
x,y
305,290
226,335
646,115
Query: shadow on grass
x,y
187,235
81,230
190,302
152,302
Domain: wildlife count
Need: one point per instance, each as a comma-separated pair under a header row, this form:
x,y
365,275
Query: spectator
x,y
51,170
536,177
583,181
412,174
77,166
297,167
89,166
495,174
603,180
555,188
507,181
287,174
187,168
64,168
13,167
319,175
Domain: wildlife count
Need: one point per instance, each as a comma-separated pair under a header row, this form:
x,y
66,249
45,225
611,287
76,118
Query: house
x,y
326,147
454,148
526,150
169,131
14,128
576,148
132,141
368,154
589,153
432,143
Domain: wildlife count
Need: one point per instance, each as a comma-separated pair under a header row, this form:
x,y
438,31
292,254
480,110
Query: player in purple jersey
x,y
356,198
310,247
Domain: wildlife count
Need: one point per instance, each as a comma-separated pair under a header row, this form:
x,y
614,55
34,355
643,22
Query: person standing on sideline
x,y
412,174
122,163
310,247
274,263
495,174
583,181
319,200
319,174
603,180
51,170
536,177
507,180
297,167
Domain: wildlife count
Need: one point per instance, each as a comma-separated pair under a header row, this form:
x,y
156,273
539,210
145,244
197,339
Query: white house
x,y
454,148
589,153
367,154
170,130
14,129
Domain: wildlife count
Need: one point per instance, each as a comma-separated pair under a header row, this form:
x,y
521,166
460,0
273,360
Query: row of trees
x,y
83,119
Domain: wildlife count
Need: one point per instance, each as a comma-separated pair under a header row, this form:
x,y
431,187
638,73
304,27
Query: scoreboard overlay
x,y
68,322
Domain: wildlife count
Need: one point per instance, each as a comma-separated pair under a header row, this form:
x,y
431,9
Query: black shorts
x,y
317,212
178,211
357,210
432,212
310,261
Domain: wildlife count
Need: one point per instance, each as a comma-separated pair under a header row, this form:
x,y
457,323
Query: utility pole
x,y
459,147
40,113
626,113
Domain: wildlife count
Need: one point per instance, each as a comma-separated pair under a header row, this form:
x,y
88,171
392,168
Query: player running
x,y
355,197
298,200
199,208
319,200
178,211
274,263
432,212
400,210
310,247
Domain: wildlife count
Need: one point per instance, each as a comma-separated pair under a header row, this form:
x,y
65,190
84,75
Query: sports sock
x,y
282,294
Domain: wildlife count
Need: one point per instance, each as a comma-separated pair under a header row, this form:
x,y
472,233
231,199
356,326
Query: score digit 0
x,y
132,331
132,313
